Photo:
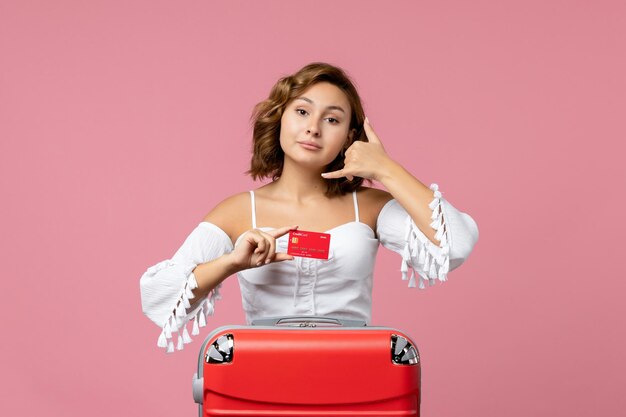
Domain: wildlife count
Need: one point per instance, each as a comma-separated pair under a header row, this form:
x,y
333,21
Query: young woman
x,y
311,138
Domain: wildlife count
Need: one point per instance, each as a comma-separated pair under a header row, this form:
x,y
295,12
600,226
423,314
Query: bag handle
x,y
307,321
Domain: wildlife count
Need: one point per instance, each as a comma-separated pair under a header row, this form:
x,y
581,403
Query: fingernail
x,y
258,263
267,261
367,120
324,174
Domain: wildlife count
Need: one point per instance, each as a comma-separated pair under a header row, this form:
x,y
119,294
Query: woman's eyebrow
x,y
328,108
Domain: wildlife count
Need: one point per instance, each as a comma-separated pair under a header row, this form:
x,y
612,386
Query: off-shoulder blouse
x,y
340,286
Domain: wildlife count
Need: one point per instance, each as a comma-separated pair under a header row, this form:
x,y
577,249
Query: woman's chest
x,y
310,216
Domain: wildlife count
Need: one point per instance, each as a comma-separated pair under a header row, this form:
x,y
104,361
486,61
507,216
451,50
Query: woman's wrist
x,y
230,264
387,170
210,274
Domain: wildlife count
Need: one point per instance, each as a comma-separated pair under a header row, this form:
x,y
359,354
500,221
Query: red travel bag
x,y
307,366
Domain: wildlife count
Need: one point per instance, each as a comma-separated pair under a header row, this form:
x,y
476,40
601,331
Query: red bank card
x,y
308,244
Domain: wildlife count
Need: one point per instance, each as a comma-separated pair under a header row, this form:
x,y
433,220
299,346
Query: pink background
x,y
123,123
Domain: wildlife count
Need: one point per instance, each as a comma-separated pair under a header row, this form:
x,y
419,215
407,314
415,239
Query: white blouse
x,y
340,286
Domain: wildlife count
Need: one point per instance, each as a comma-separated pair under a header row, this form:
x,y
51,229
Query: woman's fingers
x,y
338,174
271,249
260,244
270,254
253,239
254,246
280,256
263,246
372,137
261,250
334,174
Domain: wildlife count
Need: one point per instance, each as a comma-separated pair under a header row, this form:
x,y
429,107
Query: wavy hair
x,y
267,155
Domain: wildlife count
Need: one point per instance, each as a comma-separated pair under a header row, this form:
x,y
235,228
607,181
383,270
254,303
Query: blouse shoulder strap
x,y
356,207
253,209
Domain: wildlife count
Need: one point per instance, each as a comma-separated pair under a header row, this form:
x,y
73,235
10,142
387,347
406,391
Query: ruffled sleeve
x,y
457,233
166,288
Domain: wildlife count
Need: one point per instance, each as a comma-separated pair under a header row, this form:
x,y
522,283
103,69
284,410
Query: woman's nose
x,y
313,129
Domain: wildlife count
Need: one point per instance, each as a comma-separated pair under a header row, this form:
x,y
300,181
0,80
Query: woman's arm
x,y
414,196
210,274
255,248
369,160
185,287
166,288
431,235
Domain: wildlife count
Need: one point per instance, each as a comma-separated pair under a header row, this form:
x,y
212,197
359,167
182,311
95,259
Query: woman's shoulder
x,y
371,201
231,214
373,196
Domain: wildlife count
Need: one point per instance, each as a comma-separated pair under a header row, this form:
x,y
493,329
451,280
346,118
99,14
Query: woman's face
x,y
315,125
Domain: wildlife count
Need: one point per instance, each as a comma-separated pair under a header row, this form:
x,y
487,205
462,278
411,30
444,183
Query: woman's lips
x,y
309,146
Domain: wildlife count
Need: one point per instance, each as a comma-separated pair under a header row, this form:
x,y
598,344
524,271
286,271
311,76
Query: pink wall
x,y
123,123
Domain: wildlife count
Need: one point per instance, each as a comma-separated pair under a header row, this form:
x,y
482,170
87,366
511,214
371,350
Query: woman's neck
x,y
299,184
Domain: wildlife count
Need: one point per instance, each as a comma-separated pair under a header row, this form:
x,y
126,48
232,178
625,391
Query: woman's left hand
x,y
363,159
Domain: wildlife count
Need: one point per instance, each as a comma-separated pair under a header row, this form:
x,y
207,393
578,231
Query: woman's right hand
x,y
258,248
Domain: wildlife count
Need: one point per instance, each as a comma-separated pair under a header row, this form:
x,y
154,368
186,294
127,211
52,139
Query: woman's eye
x,y
303,112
